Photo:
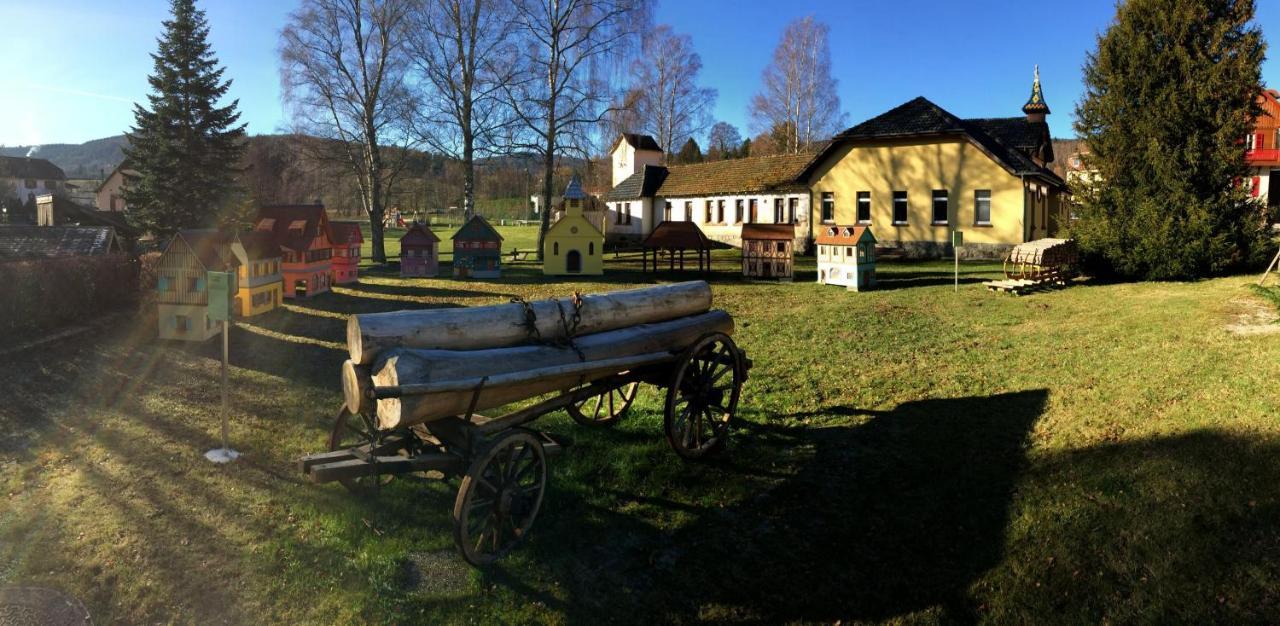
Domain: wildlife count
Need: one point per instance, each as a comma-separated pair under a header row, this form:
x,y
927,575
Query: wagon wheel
x,y
352,430
703,396
499,497
604,409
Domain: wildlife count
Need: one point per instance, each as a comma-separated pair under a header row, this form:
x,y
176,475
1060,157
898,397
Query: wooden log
x,y
522,372
503,325
356,383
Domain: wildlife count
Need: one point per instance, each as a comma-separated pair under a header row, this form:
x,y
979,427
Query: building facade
x,y
477,250
181,282
110,194
259,281
27,178
1263,150
346,239
302,232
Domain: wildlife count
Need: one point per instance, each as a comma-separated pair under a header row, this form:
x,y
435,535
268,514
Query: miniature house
x,y
573,245
477,250
302,231
768,250
260,285
181,274
419,252
346,239
847,256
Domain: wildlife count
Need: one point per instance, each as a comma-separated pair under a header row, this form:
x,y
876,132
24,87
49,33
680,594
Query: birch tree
x,y
670,105
344,68
798,94
462,58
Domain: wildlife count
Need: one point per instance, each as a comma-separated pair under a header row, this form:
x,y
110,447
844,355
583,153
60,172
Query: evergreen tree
x,y
1170,93
185,147
745,150
689,153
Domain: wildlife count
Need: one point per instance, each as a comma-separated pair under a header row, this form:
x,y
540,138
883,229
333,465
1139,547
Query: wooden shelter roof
x,y
677,235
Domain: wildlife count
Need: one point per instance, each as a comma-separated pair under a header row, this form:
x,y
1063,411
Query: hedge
x,y
42,295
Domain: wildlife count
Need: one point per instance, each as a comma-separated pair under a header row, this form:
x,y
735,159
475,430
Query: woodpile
x,y
1045,252
425,365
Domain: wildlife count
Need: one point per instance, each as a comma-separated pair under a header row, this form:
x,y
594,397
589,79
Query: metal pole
x,y
225,352
955,251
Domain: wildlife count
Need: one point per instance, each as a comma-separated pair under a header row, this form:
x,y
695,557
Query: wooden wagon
x,y
409,418
1038,264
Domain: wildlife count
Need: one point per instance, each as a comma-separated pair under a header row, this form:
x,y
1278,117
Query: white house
x,y
28,177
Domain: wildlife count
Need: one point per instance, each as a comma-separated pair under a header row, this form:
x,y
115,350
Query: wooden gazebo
x,y
676,238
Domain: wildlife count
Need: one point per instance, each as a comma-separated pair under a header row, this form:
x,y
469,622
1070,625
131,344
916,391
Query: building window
x,y
591,248
778,215
737,211
720,212
29,183
666,211
940,206
617,217
182,323
688,211
708,216
982,206
50,184
751,216
899,207
1251,142
782,247
828,207
555,248
864,207
792,205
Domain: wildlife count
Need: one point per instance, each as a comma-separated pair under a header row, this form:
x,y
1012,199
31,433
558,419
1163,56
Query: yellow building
x,y
916,173
261,285
573,245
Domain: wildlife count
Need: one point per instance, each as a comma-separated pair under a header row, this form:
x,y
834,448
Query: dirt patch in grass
x,y
1252,316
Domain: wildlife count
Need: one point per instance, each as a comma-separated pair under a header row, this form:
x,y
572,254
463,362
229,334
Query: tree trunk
x,y
548,180
503,325
545,365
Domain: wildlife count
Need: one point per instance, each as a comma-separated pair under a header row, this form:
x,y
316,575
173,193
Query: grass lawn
x,y
909,454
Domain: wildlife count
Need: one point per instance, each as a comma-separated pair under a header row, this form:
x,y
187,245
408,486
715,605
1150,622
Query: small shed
x,y
847,256
419,252
346,239
768,250
183,297
675,239
477,250
573,244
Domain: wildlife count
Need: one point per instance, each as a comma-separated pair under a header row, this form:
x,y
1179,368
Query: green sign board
x,y
957,238
220,285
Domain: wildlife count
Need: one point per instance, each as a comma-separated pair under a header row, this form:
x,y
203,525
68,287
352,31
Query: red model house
x,y
346,238
302,231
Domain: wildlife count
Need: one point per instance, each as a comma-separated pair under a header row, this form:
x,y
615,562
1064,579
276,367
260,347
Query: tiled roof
x,y
419,235
211,247
477,228
773,232
748,175
346,233
574,190
642,184
38,242
25,167
685,235
315,221
843,235
259,245
637,141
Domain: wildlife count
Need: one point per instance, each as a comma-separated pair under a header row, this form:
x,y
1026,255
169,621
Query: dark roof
x,y
419,235
642,184
314,222
637,141
211,247
26,167
843,235
685,235
258,245
477,228
19,242
346,233
1009,141
574,190
774,232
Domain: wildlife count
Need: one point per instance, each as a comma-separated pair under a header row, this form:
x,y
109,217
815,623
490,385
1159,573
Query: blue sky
x,y
72,74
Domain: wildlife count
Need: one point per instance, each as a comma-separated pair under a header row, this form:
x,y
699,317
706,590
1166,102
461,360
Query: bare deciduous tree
x,y
670,105
563,93
798,98
343,69
463,53
723,141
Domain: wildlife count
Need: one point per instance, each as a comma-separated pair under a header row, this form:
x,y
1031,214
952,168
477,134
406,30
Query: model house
x,y
847,256
28,177
1262,147
302,233
477,250
768,250
573,245
419,252
259,281
181,283
346,239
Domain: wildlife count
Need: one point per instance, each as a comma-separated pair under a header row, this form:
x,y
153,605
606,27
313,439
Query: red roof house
x,y
303,233
346,238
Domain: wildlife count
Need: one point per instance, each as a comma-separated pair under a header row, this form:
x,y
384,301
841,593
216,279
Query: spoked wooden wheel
x,y
499,497
703,396
604,409
352,430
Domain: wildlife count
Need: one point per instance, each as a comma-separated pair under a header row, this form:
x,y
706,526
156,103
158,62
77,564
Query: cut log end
x,y
356,383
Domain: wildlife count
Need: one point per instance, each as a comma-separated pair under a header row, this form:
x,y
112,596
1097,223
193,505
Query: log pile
x,y
1045,252
427,364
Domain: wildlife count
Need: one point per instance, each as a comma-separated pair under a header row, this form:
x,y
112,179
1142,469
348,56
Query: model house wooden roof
x,y
418,235
211,248
844,235
21,242
345,233
27,167
772,232
258,245
477,228
677,235
294,227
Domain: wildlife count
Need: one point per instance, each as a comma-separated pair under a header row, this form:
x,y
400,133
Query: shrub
x,y
41,295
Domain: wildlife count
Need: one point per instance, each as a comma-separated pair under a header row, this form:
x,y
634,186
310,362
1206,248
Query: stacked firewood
x,y
423,365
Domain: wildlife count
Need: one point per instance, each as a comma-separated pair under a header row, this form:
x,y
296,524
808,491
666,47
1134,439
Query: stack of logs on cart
x,y
1038,264
416,382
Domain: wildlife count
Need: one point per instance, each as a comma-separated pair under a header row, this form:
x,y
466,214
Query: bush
x,y
41,295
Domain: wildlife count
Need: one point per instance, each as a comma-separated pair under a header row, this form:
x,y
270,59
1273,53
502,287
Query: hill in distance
x,y
91,159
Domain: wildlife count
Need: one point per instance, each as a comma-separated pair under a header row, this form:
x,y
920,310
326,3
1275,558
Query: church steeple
x,y
1035,108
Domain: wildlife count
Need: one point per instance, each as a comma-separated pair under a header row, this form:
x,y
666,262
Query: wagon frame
x,y
503,464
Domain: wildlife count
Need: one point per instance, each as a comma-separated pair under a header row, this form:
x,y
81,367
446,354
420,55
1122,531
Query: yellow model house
x,y
916,173
261,285
573,245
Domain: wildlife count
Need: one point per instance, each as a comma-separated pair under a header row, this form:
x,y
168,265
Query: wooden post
x,y
1269,267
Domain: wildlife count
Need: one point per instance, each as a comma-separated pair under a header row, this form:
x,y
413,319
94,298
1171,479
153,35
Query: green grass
x,y
1103,453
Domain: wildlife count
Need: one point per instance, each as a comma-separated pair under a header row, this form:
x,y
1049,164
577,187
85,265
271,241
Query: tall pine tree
x,y
185,147
1170,95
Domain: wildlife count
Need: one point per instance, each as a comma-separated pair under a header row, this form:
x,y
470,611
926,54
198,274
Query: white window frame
x,y
977,202
906,209
946,201
859,198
